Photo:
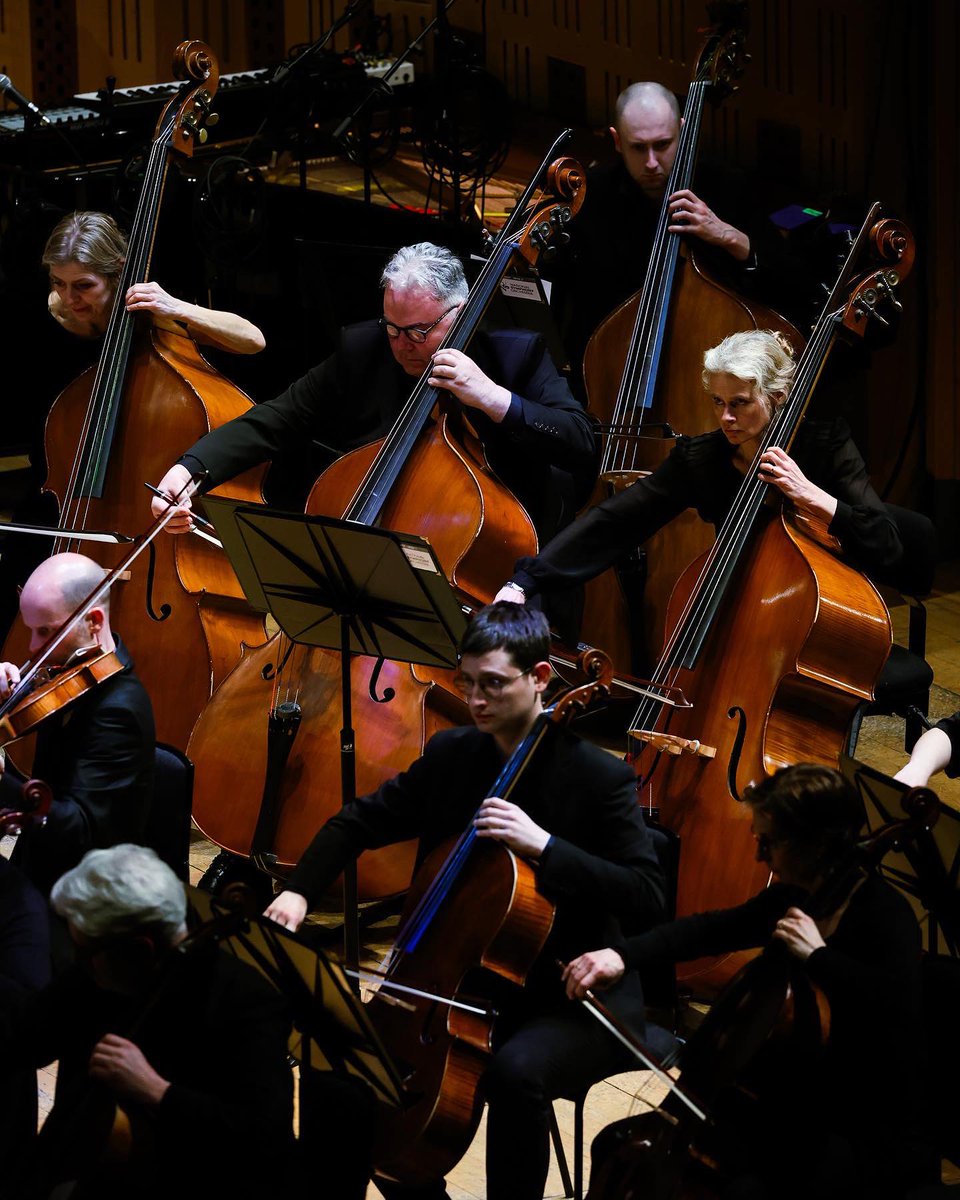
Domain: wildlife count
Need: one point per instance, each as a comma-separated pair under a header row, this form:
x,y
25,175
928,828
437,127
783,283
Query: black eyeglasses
x,y
416,333
491,686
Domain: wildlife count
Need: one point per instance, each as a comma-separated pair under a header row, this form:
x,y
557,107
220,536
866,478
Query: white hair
x,y
762,357
435,269
119,890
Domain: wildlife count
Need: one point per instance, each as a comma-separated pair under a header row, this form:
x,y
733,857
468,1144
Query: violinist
x,y
97,754
576,818
85,254
537,438
746,378
850,1126
190,1044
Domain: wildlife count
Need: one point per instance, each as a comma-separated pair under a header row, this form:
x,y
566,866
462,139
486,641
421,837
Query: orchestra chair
x,y
168,826
903,689
660,993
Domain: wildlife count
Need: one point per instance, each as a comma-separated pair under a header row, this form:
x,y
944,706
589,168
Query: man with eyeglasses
x,y
536,436
574,815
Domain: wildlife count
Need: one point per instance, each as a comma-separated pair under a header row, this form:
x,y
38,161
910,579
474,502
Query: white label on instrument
x,y
420,560
523,289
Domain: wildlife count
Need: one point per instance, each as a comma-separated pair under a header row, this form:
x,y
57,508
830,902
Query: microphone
x,y
25,105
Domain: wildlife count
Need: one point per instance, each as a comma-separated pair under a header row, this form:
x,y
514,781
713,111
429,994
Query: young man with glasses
x,y
537,437
574,815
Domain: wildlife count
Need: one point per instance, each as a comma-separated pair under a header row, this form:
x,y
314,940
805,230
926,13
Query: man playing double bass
x,y
576,819
611,236
536,436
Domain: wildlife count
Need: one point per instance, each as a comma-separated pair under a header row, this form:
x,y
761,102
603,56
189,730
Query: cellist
x,y
847,1124
537,437
746,377
576,819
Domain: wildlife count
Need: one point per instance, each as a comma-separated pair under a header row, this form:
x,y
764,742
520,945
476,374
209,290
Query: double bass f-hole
x,y
165,609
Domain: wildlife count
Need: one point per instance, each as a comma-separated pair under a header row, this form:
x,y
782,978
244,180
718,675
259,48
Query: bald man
x,y
97,753
611,236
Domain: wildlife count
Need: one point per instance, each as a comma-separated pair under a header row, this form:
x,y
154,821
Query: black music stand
x,y
331,1030
925,869
354,588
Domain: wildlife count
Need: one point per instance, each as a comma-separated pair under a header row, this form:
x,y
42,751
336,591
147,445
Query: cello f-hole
x,y
734,763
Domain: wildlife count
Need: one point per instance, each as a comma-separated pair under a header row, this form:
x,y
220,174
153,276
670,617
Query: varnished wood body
x,y
798,643
496,919
447,494
172,397
702,313
477,529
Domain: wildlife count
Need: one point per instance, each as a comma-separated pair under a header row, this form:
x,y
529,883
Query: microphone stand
x,y
295,69
379,87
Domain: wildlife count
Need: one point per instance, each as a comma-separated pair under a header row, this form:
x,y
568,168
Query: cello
x,y
264,789
768,1025
115,427
642,368
473,906
715,715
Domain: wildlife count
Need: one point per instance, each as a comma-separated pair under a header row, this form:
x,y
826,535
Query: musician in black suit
x,y
188,1041
536,436
97,753
611,237
574,816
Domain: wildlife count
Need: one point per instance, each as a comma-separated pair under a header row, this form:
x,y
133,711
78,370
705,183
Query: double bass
x,y
263,789
642,370
774,640
118,426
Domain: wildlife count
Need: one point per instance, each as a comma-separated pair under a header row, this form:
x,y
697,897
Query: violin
x,y
36,798
45,688
53,690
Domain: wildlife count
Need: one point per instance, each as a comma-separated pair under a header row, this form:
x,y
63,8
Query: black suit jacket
x,y
600,867
97,756
543,450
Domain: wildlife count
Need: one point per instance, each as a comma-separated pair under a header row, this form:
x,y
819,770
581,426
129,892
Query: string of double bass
x,y
684,643
639,374
89,465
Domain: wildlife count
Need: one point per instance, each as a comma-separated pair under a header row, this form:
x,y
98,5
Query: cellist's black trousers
x,y
559,1054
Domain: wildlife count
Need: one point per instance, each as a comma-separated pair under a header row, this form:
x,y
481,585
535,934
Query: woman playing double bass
x,y
747,377
576,820
846,1122
84,255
